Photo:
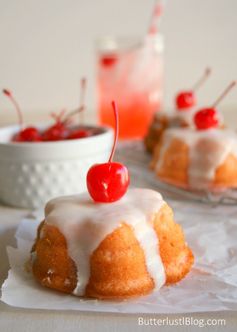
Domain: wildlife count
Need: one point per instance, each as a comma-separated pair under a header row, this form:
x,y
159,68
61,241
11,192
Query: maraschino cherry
x,y
79,133
207,118
187,99
108,182
108,60
28,134
58,131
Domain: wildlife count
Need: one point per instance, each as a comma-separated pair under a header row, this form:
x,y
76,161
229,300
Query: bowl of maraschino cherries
x,y
61,129
40,162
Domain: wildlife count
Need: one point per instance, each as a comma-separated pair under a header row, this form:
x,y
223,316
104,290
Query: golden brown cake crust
x,y
118,267
159,124
174,166
176,256
51,265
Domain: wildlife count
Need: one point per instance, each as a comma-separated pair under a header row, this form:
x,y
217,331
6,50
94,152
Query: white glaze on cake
x,y
208,149
176,118
186,116
85,225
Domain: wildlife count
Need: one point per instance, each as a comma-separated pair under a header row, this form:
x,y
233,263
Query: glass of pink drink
x,y
130,71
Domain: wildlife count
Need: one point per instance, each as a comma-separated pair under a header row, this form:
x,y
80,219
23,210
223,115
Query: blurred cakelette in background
x,y
182,115
204,157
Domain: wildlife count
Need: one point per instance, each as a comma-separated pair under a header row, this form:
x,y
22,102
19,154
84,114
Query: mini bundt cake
x,y
119,250
181,117
197,159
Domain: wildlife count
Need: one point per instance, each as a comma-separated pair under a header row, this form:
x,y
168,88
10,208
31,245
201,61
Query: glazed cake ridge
x,y
85,225
216,142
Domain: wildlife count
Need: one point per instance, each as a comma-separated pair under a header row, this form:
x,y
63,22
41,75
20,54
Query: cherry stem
x,y
114,105
58,117
224,93
202,79
16,105
74,112
82,99
81,107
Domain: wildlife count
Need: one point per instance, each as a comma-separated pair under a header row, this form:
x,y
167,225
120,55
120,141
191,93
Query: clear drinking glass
x,y
130,71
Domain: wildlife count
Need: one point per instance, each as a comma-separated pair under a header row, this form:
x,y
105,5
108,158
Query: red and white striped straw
x,y
156,16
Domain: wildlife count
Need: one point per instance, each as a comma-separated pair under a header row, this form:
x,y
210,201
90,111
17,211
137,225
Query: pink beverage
x,y
130,72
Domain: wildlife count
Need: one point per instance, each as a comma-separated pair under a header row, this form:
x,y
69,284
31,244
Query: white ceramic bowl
x,y
33,173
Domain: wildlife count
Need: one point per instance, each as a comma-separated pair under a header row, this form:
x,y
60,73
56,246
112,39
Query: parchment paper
x,y
211,285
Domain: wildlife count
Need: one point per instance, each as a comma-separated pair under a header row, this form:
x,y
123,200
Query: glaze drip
x,y
208,149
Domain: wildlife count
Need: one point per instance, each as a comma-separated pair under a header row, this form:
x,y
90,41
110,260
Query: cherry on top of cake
x,y
185,100
209,117
61,128
108,182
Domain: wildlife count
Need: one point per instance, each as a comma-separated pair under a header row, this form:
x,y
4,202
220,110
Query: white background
x,y
46,46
